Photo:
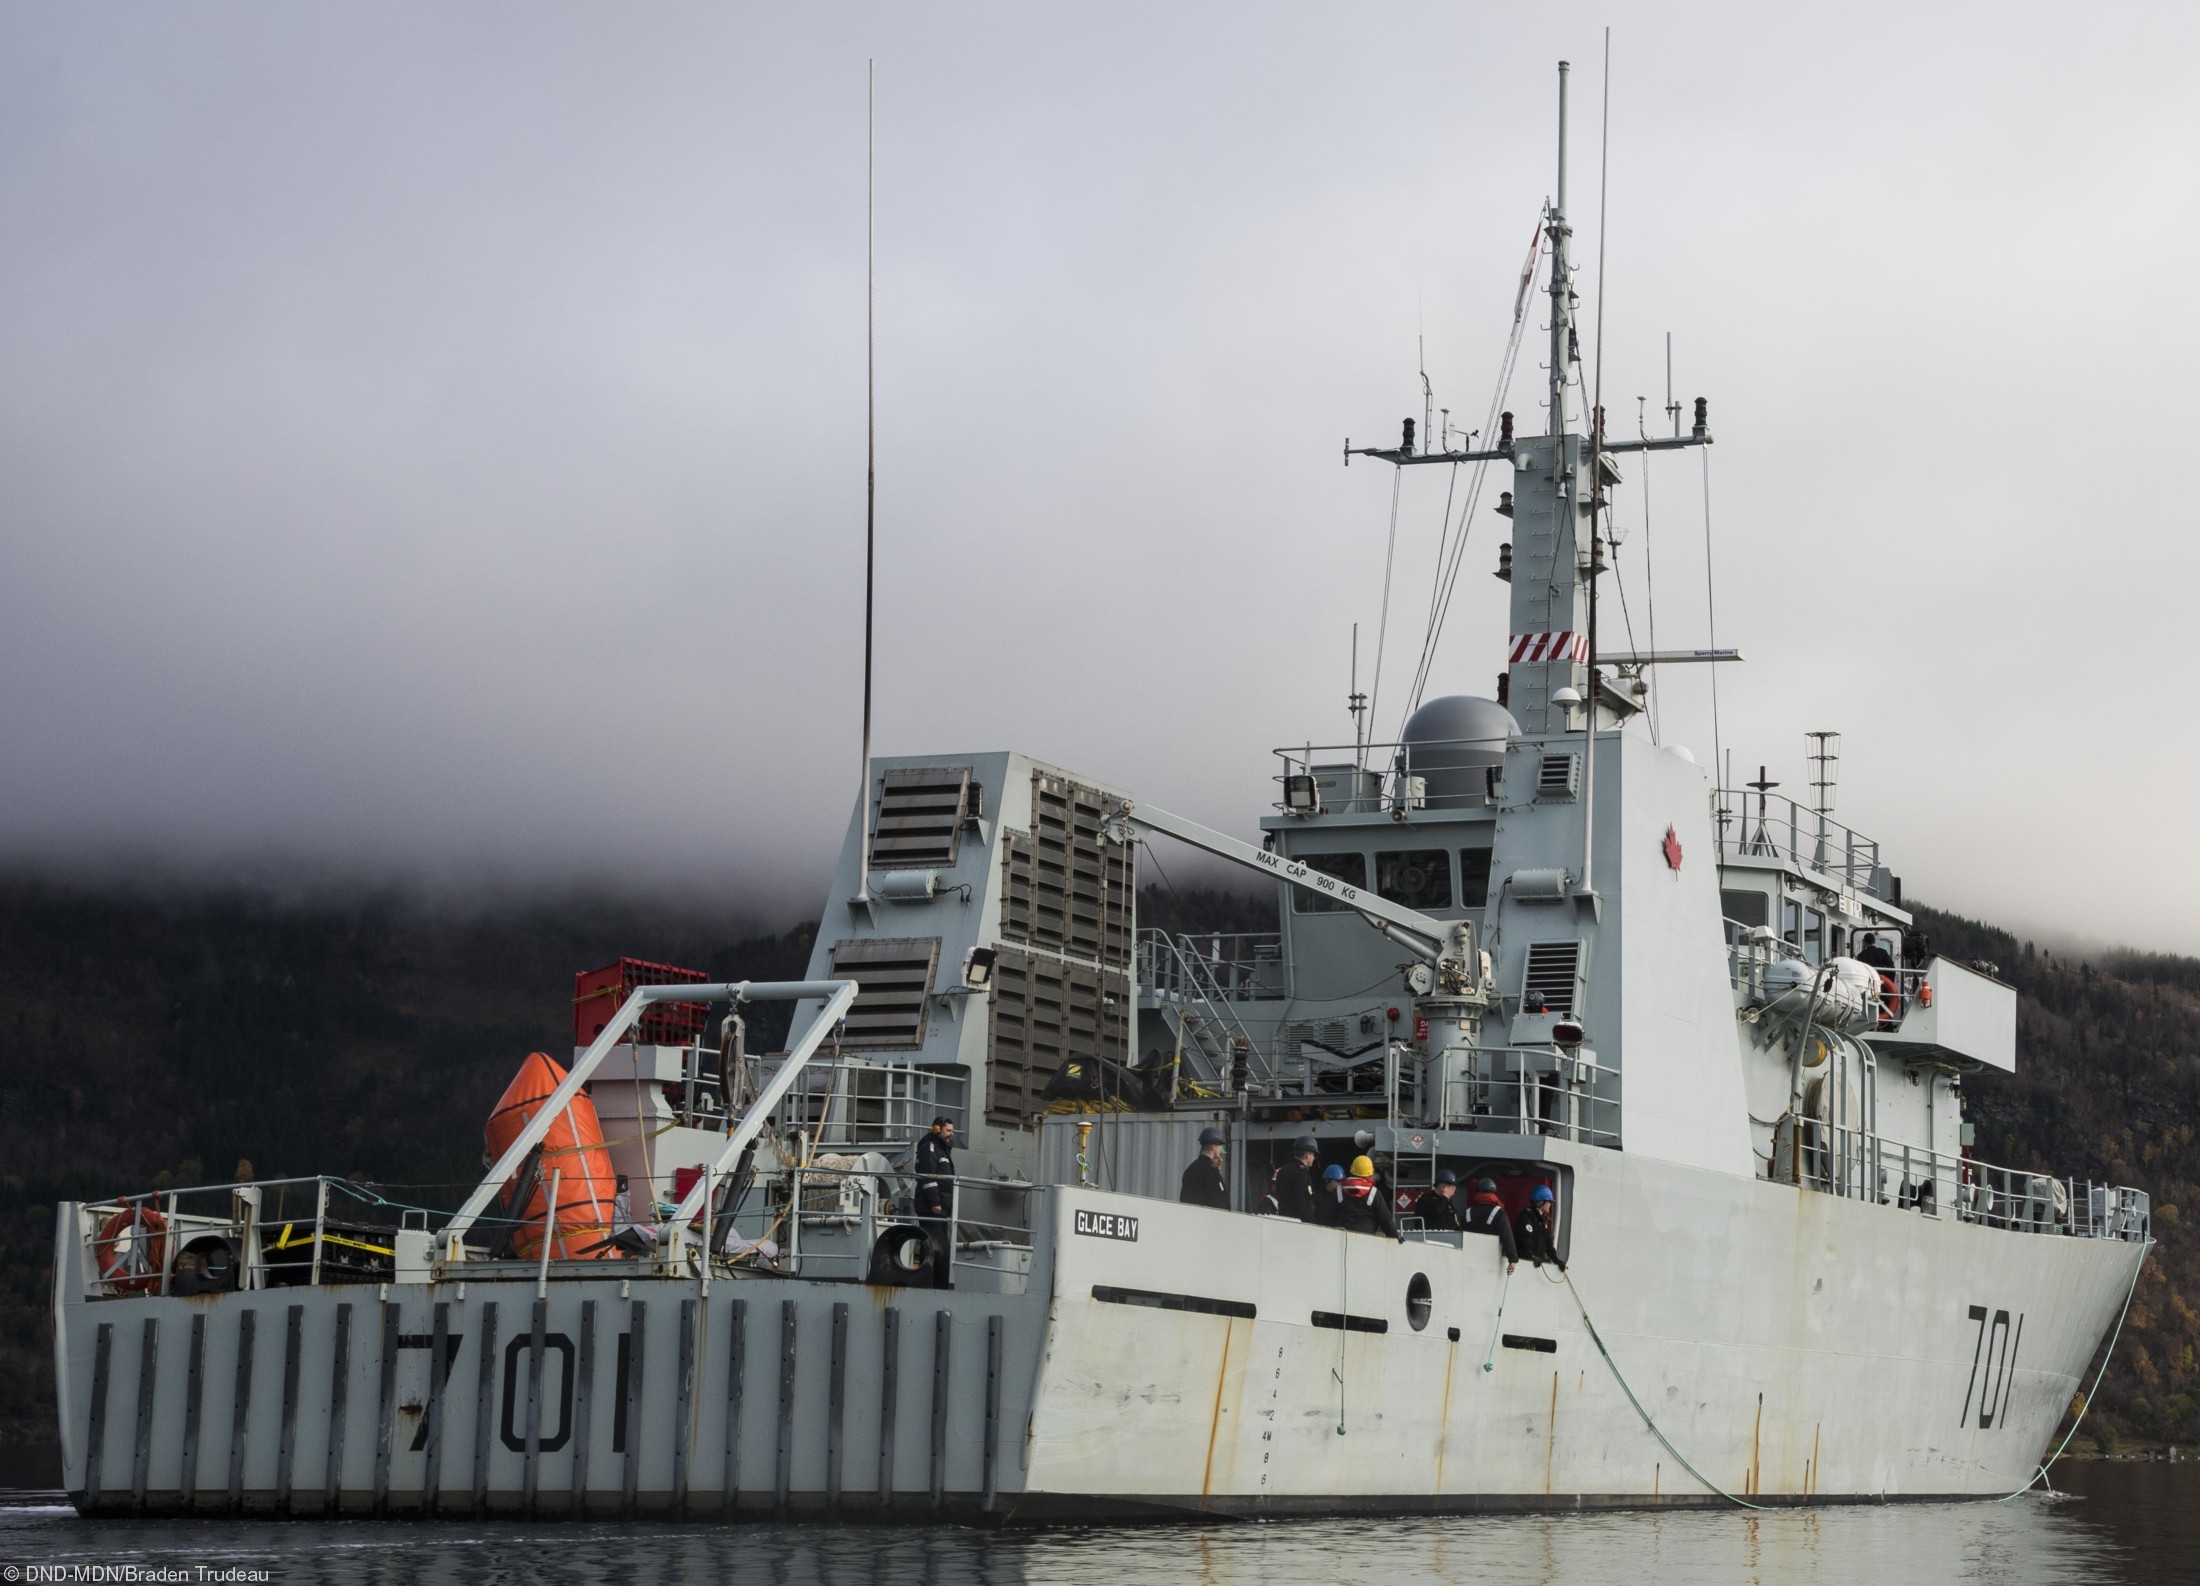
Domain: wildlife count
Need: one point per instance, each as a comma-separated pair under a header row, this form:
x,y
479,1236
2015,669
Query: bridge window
x,y
1746,908
1800,928
1420,878
1351,869
1474,878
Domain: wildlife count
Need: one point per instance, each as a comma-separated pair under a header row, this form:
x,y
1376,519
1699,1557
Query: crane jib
x,y
1408,927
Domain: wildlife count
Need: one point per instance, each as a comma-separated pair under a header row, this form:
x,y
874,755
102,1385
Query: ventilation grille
x,y
1555,777
1065,890
920,817
893,976
1554,969
1043,1012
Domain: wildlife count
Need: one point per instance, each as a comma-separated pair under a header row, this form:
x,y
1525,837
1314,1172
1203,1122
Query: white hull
x,y
1793,1346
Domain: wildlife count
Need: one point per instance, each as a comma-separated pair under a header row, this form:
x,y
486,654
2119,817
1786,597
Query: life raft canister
x,y
572,1151
131,1250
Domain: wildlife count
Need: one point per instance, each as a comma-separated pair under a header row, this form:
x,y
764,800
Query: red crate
x,y
600,993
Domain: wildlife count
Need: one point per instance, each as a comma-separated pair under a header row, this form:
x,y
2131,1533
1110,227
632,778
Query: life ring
x,y
131,1250
1890,1002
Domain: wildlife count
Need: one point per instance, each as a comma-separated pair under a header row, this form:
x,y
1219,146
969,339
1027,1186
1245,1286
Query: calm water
x,y
2114,1523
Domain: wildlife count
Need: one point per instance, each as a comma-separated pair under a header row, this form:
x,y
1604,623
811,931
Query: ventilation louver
x,y
1554,969
893,976
1556,777
1063,889
1044,1012
920,817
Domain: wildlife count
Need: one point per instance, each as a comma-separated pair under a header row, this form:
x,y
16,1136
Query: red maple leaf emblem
x,y
1672,849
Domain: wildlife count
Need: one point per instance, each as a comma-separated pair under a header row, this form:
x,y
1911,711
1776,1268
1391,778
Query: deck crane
x,y
1448,968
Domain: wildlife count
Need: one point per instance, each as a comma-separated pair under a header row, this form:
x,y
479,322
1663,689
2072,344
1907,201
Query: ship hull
x,y
1162,1361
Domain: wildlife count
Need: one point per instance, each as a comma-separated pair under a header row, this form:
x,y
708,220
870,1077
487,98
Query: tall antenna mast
x,y
1561,320
1597,502
870,445
1428,399
1356,702
1825,773
1672,404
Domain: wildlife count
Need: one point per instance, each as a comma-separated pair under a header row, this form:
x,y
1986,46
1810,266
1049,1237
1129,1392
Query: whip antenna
x,y
870,444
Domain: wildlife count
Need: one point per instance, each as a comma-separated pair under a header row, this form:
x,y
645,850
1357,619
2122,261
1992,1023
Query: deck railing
x,y
1768,826
1242,966
1859,1165
273,1233
1369,778
1526,1090
301,1232
868,1105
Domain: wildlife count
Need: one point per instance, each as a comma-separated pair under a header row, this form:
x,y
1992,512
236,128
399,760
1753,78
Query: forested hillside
x,y
165,1036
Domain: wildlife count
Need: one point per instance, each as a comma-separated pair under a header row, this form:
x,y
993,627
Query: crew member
x,y
1874,955
1360,1207
1331,1199
1291,1188
936,1196
1486,1215
1537,1234
1438,1207
1204,1184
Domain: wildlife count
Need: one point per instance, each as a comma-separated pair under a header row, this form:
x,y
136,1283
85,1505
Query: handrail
x,y
1193,982
1388,792
1236,974
1854,1164
1574,1083
841,997
492,1184
1780,828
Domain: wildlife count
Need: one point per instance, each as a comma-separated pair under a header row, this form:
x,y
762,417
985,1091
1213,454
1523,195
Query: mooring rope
x,y
1489,1355
2040,1475
1656,1431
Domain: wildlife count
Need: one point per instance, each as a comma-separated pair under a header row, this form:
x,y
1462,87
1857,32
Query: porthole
x,y
1418,1301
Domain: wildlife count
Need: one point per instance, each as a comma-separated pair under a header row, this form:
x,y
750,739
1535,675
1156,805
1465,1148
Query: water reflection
x,y
2133,1524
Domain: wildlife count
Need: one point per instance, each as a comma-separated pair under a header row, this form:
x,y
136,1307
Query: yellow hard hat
x,y
1362,1167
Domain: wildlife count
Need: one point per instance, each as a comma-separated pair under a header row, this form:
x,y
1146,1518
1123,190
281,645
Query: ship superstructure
x,y
1526,942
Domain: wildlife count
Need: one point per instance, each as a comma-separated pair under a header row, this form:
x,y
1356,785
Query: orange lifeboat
x,y
572,1150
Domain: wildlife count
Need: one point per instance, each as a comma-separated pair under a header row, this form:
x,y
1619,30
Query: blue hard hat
x,y
1334,1171
1303,1144
1485,1186
1542,1192
1211,1136
1445,1175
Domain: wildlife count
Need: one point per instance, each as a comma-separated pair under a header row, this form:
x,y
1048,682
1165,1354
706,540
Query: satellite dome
x,y
1453,741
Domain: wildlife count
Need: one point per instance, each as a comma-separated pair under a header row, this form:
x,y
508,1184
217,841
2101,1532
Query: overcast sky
x,y
431,437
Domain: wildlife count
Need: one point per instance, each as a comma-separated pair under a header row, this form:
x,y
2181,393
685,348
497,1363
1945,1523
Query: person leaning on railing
x,y
1486,1215
1537,1235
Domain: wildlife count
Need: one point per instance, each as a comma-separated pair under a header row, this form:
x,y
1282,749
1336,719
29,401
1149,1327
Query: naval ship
x,y
1526,942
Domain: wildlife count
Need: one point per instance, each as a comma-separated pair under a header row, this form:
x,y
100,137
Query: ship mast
x,y
1562,318
1551,657
1566,493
